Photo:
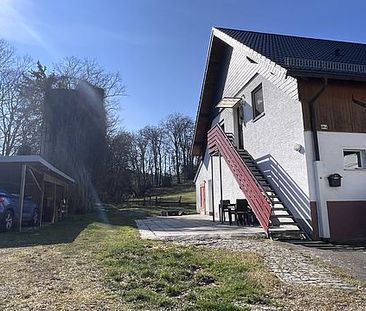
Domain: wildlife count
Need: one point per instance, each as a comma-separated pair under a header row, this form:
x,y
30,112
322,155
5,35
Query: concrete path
x,y
191,226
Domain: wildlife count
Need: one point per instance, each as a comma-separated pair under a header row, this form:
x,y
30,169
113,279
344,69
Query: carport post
x,y
41,203
54,203
21,195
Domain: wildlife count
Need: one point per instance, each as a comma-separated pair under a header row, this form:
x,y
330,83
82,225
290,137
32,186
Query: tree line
x,y
153,156
133,161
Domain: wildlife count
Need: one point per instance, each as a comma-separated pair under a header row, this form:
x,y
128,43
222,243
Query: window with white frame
x,y
354,159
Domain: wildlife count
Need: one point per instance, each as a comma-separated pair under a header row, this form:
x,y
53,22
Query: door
x,y
203,199
239,124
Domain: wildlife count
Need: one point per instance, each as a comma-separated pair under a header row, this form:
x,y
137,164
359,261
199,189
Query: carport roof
x,y
39,162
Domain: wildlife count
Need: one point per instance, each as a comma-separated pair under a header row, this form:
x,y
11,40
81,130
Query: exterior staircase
x,y
271,213
282,222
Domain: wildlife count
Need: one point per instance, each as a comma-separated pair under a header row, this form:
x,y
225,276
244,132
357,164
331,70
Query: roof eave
x,y
196,149
299,73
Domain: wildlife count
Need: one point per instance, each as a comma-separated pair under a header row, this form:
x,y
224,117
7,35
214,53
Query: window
x,y
353,159
258,102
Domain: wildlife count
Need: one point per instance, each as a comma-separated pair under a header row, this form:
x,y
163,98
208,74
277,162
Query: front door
x,y
203,199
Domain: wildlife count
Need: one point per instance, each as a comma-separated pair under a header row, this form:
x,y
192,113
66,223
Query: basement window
x,y
257,102
354,159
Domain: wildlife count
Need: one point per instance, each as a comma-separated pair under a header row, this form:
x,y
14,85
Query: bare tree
x,y
174,129
14,112
118,180
71,70
155,137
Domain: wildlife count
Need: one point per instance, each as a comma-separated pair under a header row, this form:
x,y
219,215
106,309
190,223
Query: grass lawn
x,y
184,192
152,275
157,274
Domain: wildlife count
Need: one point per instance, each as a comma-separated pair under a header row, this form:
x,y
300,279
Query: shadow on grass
x,y
177,189
157,209
68,230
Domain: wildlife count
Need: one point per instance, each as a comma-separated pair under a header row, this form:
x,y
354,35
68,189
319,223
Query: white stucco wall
x,y
331,146
331,152
230,187
271,140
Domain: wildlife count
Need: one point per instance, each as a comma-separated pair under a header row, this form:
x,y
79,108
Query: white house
x,y
278,117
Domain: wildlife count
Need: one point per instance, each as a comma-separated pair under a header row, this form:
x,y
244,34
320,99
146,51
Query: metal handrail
x,y
257,197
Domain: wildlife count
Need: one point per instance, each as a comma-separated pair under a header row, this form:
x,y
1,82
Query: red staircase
x,y
257,197
274,217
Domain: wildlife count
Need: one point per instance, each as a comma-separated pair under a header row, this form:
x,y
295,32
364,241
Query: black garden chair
x,y
242,212
224,208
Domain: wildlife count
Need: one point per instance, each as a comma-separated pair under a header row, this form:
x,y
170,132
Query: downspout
x,y
313,119
321,203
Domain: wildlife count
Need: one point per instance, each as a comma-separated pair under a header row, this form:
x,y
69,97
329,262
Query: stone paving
x,y
191,226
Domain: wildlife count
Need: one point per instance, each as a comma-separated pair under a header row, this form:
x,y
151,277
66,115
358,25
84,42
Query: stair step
x,y
275,201
251,163
288,235
278,213
283,228
285,217
285,220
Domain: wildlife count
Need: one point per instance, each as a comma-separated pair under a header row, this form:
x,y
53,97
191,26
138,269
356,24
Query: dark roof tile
x,y
281,48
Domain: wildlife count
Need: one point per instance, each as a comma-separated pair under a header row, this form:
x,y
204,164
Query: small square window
x,y
353,159
257,102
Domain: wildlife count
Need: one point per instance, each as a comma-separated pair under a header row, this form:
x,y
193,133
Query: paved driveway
x,y
191,226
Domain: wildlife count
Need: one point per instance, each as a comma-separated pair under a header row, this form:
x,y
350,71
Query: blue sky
x,y
160,46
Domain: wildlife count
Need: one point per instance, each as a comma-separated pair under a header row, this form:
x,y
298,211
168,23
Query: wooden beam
x,y
21,194
35,179
53,180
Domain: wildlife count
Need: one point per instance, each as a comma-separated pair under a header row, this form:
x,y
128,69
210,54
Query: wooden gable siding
x,y
335,107
241,70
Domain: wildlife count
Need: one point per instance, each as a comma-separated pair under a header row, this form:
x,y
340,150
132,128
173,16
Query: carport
x,y
33,177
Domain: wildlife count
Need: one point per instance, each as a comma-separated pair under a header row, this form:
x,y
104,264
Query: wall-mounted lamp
x,y
298,148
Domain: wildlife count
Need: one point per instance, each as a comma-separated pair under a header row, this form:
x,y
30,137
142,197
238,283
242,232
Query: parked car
x,y
10,210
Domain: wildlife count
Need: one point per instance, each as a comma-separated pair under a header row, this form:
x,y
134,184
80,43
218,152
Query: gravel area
x,y
44,278
306,281
288,264
350,258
